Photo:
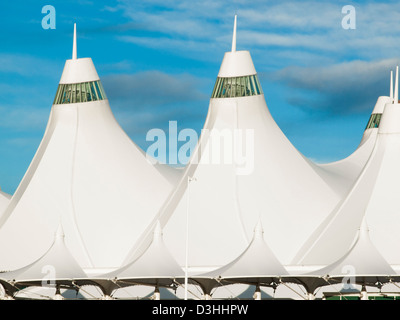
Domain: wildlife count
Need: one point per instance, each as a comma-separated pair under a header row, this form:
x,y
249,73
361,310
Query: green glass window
x,y
237,87
79,92
374,121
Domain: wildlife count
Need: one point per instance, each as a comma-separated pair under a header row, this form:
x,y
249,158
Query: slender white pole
x,y
234,35
74,55
396,86
391,86
187,236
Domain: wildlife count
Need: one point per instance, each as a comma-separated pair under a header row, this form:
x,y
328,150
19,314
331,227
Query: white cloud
x,y
294,40
152,88
26,65
342,88
194,49
307,15
151,99
23,118
313,26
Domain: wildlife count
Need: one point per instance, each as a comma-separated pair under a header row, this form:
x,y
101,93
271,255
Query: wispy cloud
x,y
151,99
193,49
293,15
124,65
151,88
310,25
342,88
23,118
26,65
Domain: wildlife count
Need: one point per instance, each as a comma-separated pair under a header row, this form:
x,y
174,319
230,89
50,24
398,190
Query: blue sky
x,y
158,61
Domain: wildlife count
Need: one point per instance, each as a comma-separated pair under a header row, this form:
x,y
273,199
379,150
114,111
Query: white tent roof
x,y
155,262
257,261
373,195
156,266
363,259
257,265
56,264
341,174
351,166
89,172
227,197
362,263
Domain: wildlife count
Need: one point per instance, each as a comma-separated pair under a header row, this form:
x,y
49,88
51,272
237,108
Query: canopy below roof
x,y
257,265
155,262
362,264
155,267
57,265
362,260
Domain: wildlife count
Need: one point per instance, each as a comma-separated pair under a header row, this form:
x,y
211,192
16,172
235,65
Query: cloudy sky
x,y
158,61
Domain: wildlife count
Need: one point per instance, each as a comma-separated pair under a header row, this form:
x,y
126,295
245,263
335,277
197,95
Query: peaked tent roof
x,y
56,266
155,263
374,195
256,260
362,264
88,171
227,194
257,265
343,173
155,267
362,260
351,166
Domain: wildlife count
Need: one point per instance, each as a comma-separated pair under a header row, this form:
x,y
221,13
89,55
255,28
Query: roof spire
x,y
74,57
396,86
391,85
234,35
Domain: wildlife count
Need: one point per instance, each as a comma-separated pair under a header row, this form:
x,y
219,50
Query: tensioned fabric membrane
x,y
89,175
